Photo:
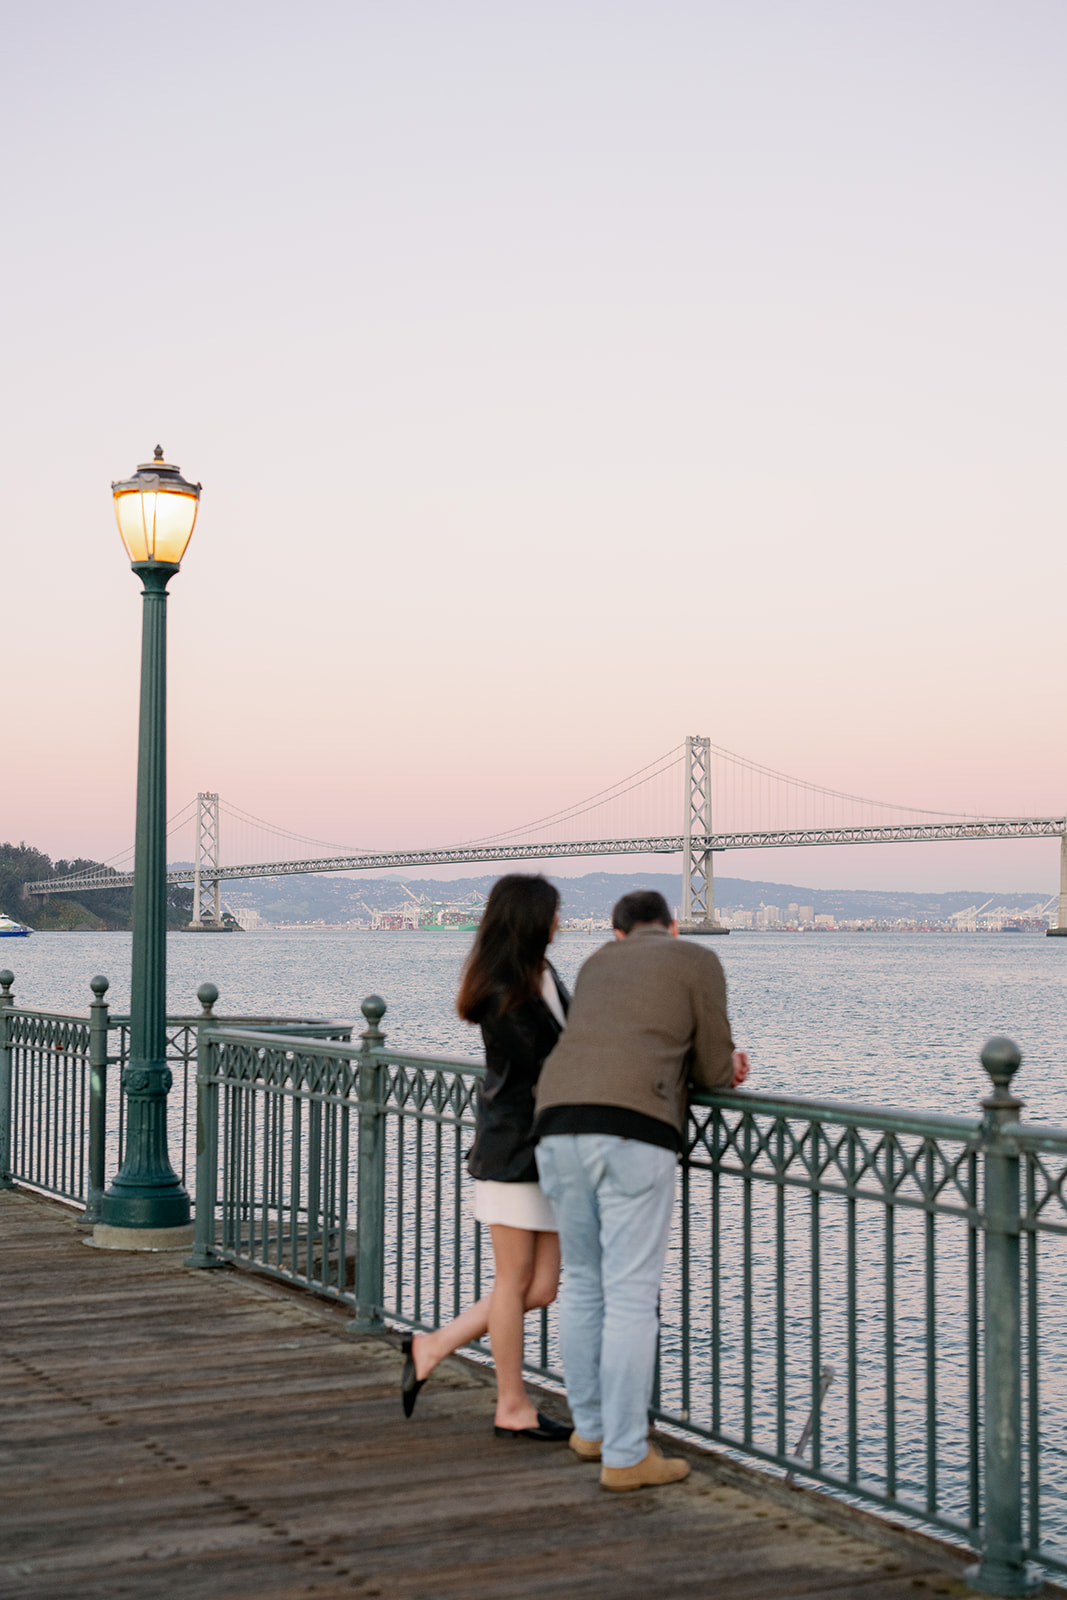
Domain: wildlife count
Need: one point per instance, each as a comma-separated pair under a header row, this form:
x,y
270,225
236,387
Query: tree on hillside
x,y
87,908
19,864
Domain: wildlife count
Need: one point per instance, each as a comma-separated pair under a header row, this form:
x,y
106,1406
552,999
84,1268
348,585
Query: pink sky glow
x,y
563,379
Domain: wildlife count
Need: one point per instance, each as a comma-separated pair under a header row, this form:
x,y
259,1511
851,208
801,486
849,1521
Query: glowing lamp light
x,y
156,511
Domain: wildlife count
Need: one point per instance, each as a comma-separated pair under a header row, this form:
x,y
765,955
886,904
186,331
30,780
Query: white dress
x,y
520,1205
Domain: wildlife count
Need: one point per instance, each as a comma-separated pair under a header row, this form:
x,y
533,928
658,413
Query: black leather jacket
x,y
516,1045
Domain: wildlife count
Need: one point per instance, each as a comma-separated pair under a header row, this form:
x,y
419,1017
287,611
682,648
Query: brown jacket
x,y
647,1019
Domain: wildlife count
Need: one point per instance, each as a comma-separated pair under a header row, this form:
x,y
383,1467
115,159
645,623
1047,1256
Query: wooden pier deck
x,y
170,1434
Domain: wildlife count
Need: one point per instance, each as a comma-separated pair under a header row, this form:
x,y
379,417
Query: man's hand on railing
x,y
740,1061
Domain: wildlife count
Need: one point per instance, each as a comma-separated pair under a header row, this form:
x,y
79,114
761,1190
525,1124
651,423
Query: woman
x,y
514,994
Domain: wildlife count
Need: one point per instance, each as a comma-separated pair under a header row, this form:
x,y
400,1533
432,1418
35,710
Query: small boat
x,y
12,930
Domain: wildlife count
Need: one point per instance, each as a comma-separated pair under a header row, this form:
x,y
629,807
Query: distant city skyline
x,y
563,379
339,900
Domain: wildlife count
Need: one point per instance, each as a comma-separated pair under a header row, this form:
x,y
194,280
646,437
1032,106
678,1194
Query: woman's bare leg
x,y
513,1250
527,1275
430,1348
473,1323
544,1285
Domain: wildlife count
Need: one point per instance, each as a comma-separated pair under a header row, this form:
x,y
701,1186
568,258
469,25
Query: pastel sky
x,y
563,378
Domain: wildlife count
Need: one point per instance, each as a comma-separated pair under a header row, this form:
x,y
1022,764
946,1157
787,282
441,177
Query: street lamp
x,y
146,1206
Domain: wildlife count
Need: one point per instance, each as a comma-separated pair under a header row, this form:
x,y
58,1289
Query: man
x,y
647,1019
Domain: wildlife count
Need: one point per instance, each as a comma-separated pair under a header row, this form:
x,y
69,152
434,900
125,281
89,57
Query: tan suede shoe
x,y
585,1449
654,1469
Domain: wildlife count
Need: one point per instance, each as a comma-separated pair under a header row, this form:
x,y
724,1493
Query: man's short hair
x,y
644,905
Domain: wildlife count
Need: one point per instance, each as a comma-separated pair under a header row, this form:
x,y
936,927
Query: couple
x,y
597,1088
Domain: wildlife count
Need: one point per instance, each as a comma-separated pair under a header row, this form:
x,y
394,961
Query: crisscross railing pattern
x,y
1042,1152
48,1082
286,1123
63,1099
433,1248
837,1235
886,1285
842,1271
294,1127
62,1109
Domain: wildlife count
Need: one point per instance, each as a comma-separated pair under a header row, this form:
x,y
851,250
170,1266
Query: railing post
x,y
1002,1570
370,1202
98,1023
207,1136
6,1002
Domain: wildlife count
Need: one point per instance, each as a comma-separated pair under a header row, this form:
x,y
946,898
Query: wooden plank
x,y
202,1436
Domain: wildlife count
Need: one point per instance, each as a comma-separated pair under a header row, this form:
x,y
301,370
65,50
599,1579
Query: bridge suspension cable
x,y
179,820
247,817
757,767
615,791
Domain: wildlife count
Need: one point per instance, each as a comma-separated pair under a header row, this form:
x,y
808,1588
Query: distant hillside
x,y
311,897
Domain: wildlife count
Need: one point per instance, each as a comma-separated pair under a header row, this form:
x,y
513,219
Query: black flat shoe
x,y
548,1430
409,1383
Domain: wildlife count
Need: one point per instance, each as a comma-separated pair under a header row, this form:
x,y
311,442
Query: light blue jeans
x,y
613,1200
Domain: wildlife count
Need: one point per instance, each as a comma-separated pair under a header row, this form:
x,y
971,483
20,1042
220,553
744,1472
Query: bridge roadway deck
x,y
197,1436
558,850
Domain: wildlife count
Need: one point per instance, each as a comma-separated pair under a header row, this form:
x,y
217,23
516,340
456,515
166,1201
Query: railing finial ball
x,y
99,985
1001,1058
6,979
373,1008
207,994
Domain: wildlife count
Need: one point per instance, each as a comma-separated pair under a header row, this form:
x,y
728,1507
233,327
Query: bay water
x,y
890,1019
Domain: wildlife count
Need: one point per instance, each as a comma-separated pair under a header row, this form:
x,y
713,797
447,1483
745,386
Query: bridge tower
x,y
1060,930
206,905
698,882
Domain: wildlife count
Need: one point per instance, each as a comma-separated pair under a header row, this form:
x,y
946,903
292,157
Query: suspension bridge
x,y
756,807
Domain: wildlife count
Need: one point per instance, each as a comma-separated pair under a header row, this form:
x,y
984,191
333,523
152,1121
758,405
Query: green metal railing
x,y
842,1273
887,1287
45,1079
62,1111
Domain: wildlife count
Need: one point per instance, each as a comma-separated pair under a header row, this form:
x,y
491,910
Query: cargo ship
x,y
423,915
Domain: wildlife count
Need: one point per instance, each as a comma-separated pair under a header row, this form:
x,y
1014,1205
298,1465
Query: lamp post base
x,y
1003,1578
146,1196
107,1237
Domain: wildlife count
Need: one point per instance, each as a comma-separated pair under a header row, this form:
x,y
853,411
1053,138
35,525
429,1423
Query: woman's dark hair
x,y
508,954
